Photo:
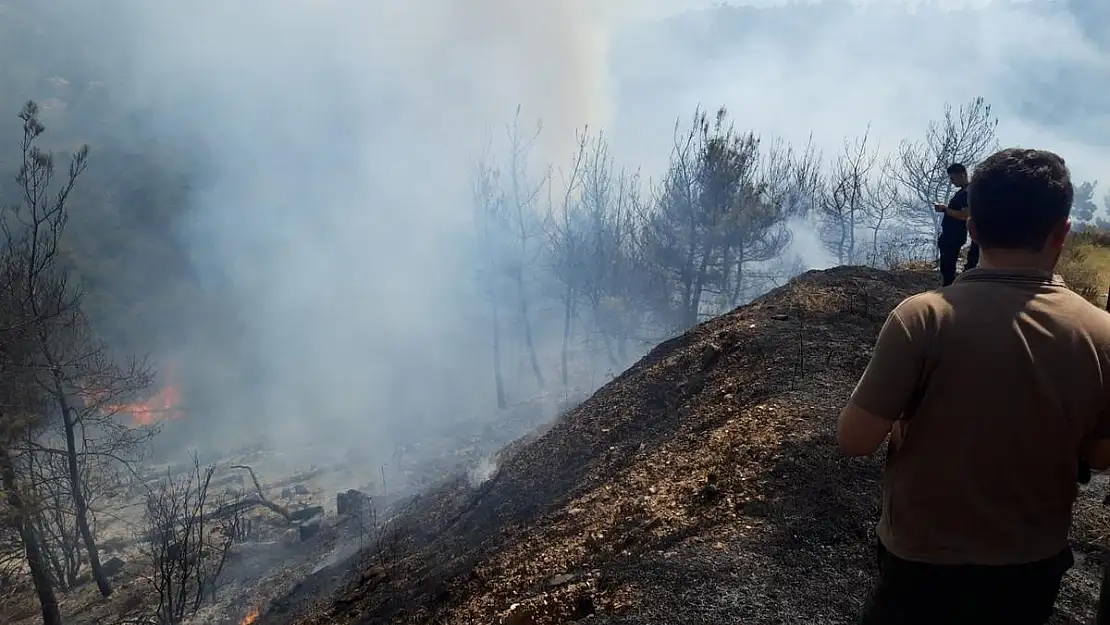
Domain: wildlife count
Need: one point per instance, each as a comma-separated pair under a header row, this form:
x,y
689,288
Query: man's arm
x,y
886,388
860,433
958,207
962,215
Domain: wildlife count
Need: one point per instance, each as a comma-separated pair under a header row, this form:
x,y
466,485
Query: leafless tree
x,y
21,416
755,232
964,135
843,206
509,229
489,207
565,227
793,178
883,196
612,274
13,578
621,293
522,198
184,545
593,246
73,368
55,521
27,283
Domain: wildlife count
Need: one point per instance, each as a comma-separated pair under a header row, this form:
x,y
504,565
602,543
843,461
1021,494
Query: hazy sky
x,y
894,69
340,135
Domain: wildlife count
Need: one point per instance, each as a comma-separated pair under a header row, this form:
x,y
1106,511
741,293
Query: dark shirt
x,y
950,226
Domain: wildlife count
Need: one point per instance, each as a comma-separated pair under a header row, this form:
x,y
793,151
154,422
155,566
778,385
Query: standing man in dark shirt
x,y
953,228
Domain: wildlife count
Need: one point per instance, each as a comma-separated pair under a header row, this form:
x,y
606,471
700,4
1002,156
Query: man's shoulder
x,y
960,196
1073,309
923,314
926,304
1054,305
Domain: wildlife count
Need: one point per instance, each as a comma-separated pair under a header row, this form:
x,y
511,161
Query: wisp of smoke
x,y
339,138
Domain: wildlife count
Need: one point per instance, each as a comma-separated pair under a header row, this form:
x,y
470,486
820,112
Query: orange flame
x,y
251,617
165,404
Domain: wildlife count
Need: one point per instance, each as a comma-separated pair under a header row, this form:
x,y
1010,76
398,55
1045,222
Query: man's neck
x,y
1015,259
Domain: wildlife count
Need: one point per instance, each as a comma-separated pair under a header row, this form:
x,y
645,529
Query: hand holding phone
x,y
940,208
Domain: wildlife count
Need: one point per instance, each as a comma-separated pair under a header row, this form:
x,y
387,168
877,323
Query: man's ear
x,y
1059,234
971,229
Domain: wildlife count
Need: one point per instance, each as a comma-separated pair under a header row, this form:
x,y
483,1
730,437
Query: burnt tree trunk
x,y
568,315
498,378
608,342
595,306
738,287
693,305
529,343
688,280
80,504
55,567
40,577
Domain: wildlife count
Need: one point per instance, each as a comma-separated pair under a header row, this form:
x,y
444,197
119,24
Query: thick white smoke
x,y
339,136
339,142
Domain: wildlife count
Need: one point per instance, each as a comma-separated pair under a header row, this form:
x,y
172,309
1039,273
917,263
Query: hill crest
x,y
702,485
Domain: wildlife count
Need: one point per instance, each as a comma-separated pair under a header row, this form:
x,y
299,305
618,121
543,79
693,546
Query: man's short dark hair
x,y
1017,196
956,168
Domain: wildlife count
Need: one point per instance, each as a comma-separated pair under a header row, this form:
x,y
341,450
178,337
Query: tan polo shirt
x,y
999,379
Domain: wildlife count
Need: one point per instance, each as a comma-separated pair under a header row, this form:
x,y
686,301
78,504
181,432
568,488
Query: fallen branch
x,y
250,502
262,501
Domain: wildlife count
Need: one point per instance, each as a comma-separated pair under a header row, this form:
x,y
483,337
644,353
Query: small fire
x,y
165,404
251,617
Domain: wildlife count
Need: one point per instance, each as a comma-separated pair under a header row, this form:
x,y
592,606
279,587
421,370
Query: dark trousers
x,y
949,256
950,246
915,593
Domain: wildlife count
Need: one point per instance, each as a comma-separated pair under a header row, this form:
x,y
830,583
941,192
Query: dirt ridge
x,y
700,486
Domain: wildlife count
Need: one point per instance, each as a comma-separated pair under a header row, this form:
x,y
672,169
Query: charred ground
x,y
701,486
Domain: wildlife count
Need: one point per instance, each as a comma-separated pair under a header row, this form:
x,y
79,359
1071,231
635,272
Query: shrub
x,y
1078,270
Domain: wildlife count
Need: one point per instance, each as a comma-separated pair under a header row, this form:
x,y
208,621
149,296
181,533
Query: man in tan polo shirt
x,y
992,390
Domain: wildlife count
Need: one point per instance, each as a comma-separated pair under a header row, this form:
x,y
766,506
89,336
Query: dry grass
x,y
919,266
1085,264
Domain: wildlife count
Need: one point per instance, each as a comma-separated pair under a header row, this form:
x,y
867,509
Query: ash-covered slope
x,y
701,486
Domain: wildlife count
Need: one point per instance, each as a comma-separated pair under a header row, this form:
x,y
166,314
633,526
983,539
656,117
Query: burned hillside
x,y
701,486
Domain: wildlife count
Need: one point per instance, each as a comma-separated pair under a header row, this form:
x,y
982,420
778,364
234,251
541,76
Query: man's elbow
x,y
860,433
